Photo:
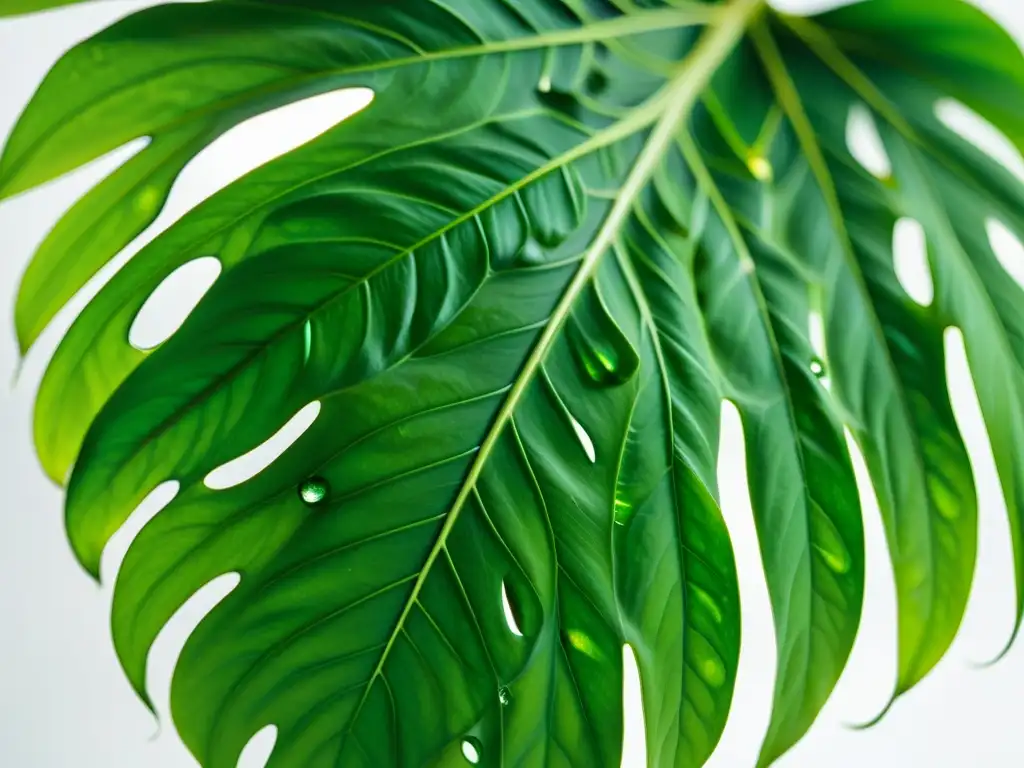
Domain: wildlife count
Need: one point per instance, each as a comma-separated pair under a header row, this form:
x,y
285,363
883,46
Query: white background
x,y
63,698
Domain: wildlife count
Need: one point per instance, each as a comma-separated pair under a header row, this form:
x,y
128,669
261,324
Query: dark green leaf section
x,y
462,265
557,529
402,277
519,284
94,360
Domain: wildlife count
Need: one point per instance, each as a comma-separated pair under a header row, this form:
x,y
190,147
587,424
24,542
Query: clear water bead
x,y
314,491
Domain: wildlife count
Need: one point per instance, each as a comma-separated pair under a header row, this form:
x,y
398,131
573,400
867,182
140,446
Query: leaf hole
x,y
910,260
471,750
865,684
584,437
816,335
816,332
976,130
1007,248
172,302
634,736
117,546
267,136
510,616
66,296
991,609
250,464
755,672
167,646
865,143
258,750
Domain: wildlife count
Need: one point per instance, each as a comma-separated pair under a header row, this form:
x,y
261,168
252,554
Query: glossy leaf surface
x,y
520,285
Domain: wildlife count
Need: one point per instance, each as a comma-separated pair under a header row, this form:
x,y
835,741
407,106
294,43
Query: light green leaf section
x,y
950,188
520,284
802,489
18,7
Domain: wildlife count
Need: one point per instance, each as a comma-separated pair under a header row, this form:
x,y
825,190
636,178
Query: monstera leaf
x,y
519,286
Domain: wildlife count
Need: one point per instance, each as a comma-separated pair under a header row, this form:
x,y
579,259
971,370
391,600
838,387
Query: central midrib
x,y
674,107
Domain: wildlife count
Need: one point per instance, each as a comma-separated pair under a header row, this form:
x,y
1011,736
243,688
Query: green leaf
x,y
17,7
520,285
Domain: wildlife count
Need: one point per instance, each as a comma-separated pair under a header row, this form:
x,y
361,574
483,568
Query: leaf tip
x,y
877,718
1005,649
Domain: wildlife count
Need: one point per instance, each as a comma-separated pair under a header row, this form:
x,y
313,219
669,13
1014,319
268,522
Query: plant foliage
x,y
520,285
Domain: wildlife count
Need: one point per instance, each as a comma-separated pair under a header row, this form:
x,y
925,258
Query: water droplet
x,y
943,498
314,491
760,168
471,749
622,509
829,544
601,362
148,200
504,696
604,354
711,670
709,603
544,86
818,367
582,642
307,341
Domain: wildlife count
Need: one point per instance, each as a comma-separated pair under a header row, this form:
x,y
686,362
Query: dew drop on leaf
x,y
583,643
471,749
314,491
307,341
708,602
829,544
598,365
603,353
504,696
943,498
818,368
622,509
711,670
760,168
834,561
148,199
